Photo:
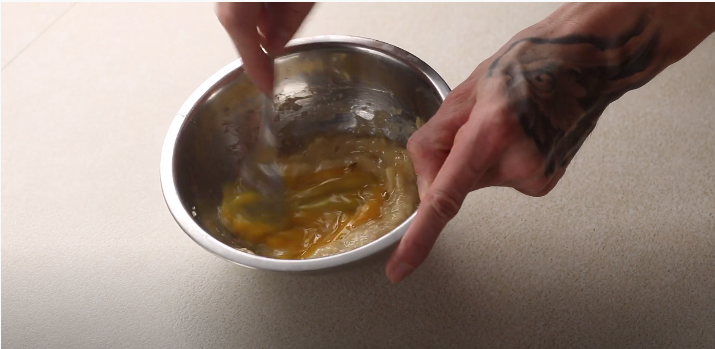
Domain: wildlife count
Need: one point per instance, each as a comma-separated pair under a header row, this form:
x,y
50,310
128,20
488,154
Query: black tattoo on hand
x,y
559,87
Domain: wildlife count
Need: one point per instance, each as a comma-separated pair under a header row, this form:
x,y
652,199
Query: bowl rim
x,y
211,244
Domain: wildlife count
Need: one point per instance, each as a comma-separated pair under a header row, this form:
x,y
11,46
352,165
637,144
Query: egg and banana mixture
x,y
341,193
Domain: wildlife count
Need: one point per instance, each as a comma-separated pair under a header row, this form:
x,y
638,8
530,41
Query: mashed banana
x,y
341,192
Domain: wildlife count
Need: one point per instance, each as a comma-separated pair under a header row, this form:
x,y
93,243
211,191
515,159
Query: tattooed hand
x,y
522,115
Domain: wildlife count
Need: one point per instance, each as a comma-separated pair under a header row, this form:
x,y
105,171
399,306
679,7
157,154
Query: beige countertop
x,y
620,255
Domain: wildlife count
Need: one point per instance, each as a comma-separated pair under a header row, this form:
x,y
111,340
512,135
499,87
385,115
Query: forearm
x,y
560,74
679,27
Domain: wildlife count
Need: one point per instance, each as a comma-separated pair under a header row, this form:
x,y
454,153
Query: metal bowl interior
x,y
327,85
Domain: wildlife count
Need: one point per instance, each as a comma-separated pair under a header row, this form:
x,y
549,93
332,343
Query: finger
x,y
462,168
281,22
240,21
429,146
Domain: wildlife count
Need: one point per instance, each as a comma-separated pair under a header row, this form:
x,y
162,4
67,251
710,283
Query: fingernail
x,y
422,186
400,272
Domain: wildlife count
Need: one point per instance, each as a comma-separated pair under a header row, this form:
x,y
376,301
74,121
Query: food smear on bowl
x,y
342,192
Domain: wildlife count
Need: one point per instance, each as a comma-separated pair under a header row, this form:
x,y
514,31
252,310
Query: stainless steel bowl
x,y
327,84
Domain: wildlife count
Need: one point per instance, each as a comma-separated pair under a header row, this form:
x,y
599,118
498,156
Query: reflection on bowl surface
x,y
327,86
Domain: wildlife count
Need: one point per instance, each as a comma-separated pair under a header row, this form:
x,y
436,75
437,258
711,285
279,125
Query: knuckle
x,y
459,94
418,155
415,145
444,203
504,130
